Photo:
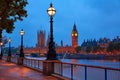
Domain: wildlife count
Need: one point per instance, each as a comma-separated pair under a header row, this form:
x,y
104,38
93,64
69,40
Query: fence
x,y
74,71
85,72
33,63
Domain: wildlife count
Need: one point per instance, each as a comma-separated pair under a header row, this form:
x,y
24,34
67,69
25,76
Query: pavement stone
x,y
11,71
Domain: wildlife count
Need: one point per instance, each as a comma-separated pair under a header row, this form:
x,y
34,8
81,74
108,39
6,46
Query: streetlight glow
x,y
51,11
9,40
22,32
1,43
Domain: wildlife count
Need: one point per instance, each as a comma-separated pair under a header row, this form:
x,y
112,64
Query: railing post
x,y
38,64
35,63
85,72
105,74
31,62
26,61
20,61
23,61
61,69
71,71
48,66
8,58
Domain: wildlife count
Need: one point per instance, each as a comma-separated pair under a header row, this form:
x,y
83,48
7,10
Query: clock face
x,y
76,34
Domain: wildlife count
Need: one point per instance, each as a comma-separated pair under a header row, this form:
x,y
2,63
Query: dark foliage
x,y
10,12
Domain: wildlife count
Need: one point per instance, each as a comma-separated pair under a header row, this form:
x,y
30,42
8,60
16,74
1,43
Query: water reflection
x,y
102,63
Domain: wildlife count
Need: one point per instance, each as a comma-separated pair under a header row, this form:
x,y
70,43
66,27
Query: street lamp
x,y
9,52
51,55
21,48
1,44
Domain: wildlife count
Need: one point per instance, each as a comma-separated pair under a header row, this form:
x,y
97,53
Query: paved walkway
x,y
10,71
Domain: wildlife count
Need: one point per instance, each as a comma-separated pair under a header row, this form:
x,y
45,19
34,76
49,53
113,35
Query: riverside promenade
x,y
11,71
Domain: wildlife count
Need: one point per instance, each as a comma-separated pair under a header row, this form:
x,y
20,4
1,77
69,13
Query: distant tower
x,y
61,43
74,37
41,37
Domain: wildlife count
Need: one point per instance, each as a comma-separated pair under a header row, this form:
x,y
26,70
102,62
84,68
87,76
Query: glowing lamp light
x,y
1,43
22,32
51,11
9,40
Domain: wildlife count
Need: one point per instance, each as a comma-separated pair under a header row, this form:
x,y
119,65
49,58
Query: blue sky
x,y
93,18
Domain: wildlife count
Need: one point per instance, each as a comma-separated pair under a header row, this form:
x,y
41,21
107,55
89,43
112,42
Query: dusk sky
x,y
93,18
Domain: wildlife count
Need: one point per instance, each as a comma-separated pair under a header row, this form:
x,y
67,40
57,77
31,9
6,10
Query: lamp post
x,y
1,54
48,64
51,55
21,47
9,51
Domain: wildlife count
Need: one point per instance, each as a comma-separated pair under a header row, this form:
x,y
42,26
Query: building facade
x,y
42,44
41,39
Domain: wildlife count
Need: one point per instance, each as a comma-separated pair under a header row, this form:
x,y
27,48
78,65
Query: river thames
x,y
102,63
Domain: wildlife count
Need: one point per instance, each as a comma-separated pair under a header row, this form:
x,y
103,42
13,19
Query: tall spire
x,y
74,27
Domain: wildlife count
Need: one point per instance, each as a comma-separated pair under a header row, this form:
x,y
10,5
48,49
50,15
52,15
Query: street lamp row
x,y
9,50
21,47
51,54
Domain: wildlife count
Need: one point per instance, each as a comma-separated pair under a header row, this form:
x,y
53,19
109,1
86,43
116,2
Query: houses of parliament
x,y
42,43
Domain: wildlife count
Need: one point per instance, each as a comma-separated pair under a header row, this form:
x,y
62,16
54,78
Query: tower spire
x,y
74,27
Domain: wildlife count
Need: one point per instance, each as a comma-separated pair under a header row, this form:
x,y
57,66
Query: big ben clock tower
x,y
74,37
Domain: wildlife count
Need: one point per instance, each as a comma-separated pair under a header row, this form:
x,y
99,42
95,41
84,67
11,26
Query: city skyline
x,y
93,19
